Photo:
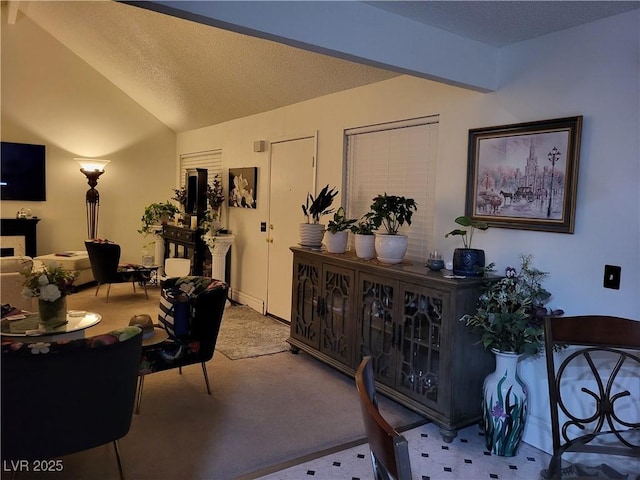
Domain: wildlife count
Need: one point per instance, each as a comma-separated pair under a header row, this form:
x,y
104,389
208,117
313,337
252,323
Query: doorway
x,y
292,167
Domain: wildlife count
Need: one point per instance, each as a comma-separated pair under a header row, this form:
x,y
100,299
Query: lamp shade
x,y
92,164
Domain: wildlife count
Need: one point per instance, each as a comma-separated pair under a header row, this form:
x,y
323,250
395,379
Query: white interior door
x,y
292,177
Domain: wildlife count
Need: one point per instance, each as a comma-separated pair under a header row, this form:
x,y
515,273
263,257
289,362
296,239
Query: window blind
x,y
398,158
211,160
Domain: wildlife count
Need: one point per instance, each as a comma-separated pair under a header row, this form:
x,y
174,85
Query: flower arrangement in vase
x,y
510,312
50,285
509,321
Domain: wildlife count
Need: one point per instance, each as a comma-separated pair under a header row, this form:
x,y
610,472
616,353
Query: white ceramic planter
x,y
391,248
365,246
311,234
336,242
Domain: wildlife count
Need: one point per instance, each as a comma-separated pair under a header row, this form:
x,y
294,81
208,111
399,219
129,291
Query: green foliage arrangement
x,y
364,227
320,205
340,222
154,215
215,193
391,212
510,311
472,224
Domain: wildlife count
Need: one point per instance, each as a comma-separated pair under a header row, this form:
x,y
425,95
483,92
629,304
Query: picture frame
x,y
525,175
243,187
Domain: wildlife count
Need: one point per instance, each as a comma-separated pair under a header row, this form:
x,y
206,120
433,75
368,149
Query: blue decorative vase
x,y
468,262
504,406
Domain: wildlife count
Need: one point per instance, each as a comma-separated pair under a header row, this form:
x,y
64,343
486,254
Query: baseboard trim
x,y
538,434
245,299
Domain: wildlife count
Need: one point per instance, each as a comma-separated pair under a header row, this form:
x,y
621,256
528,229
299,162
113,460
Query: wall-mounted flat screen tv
x,y
22,172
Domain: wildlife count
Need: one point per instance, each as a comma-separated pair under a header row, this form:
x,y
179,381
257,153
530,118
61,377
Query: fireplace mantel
x,y
23,227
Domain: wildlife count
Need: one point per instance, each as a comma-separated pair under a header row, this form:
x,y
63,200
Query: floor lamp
x,y
92,168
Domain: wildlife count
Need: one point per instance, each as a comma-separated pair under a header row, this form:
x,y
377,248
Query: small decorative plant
x,y
210,226
215,193
391,212
180,196
510,312
155,214
340,222
49,283
320,205
472,224
363,227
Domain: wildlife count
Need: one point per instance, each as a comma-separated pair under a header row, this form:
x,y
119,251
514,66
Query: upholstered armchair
x,y
60,398
207,298
12,281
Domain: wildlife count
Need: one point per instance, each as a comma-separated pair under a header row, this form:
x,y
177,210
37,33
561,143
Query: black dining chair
x,y
104,257
389,450
588,396
65,397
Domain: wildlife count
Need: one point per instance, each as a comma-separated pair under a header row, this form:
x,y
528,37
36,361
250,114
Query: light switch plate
x,y
612,277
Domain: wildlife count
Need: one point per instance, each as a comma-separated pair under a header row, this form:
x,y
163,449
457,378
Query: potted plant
x,y
364,239
157,214
312,231
338,232
509,321
468,261
391,212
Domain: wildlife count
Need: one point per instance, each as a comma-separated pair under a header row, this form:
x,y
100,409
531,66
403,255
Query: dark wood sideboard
x,y
406,317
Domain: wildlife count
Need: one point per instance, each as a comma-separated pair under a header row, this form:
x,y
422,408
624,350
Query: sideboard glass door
x,y
337,332
306,311
420,360
378,333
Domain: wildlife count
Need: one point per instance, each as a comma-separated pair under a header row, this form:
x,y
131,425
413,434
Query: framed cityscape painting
x,y
525,175
243,183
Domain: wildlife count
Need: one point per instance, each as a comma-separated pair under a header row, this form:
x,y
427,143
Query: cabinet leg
x,y
294,350
448,434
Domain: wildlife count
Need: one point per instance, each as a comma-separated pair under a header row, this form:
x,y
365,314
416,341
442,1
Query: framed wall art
x,y
525,175
243,184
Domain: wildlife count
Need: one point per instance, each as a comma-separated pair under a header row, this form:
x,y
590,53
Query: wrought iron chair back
x,y
588,395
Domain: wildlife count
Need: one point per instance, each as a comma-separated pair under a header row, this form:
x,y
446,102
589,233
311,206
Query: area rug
x,y
245,333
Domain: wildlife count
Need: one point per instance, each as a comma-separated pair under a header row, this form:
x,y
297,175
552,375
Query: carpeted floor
x,y
263,411
246,333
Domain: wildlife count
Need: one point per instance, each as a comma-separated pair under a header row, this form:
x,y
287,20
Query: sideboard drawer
x,y
180,234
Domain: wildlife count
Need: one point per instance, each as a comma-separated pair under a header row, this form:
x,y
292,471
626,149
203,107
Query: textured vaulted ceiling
x,y
191,75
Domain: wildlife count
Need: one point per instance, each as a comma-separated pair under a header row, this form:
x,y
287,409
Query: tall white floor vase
x,y
504,406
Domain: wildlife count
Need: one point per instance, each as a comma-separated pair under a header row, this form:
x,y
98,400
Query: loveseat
x,y
11,281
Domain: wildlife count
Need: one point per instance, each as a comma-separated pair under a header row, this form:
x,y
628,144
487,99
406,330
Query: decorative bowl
x,y
435,264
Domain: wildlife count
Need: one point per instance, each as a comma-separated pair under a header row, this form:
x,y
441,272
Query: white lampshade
x,y
92,164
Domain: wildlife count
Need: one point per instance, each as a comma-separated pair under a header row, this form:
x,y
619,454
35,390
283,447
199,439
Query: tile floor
x,y
465,458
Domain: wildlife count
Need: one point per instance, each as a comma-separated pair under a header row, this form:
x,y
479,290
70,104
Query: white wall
x,y
591,70
51,97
